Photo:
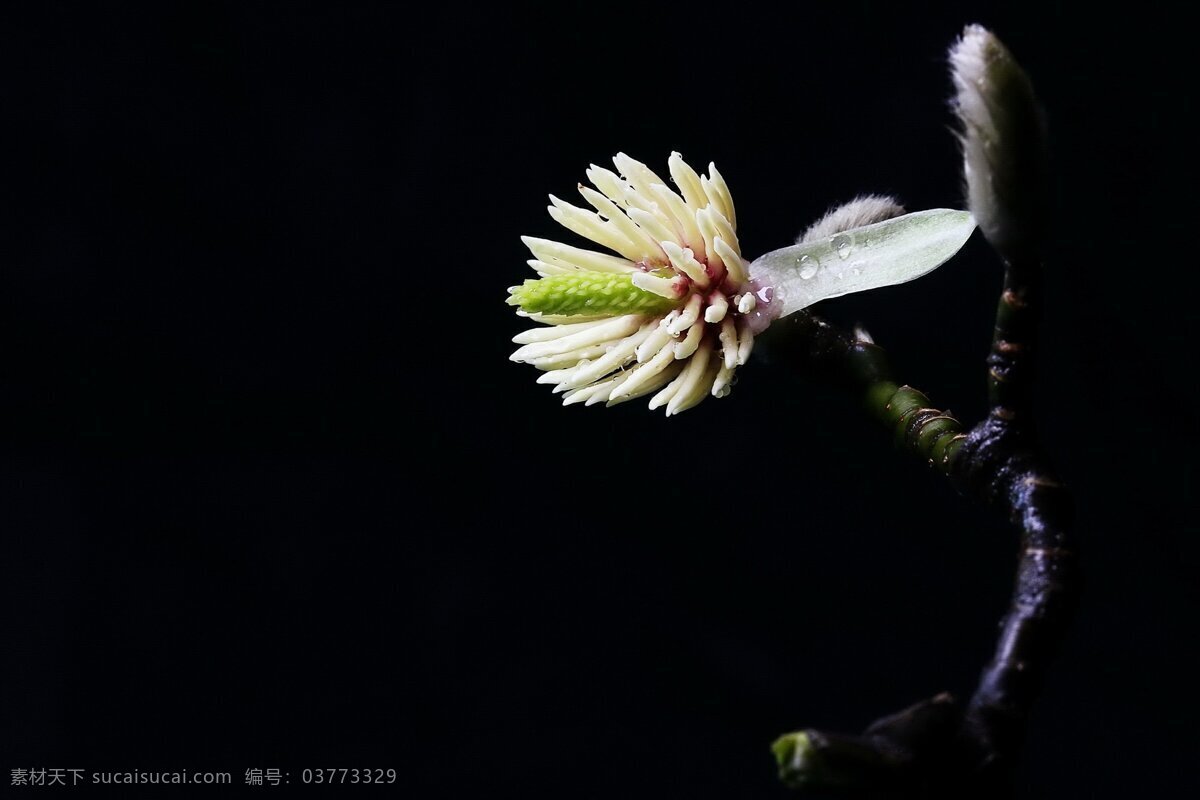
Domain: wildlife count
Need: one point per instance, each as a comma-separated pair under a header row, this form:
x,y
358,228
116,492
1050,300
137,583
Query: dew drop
x,y
808,267
855,271
841,243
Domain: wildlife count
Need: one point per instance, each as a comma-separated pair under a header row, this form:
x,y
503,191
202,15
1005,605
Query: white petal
x,y
564,255
555,332
616,328
685,348
639,376
663,287
713,195
579,395
595,393
709,232
688,182
665,395
651,205
627,227
562,319
589,225
692,376
615,358
652,226
745,341
637,173
656,342
729,342
556,376
671,389
571,358
635,199
652,385
717,184
685,261
699,391
723,383
738,269
608,182
687,316
724,229
683,218
545,270
718,306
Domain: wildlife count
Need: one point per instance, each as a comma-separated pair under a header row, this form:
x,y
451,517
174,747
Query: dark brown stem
x,y
1000,464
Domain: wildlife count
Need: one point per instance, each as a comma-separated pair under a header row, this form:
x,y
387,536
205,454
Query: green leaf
x,y
886,253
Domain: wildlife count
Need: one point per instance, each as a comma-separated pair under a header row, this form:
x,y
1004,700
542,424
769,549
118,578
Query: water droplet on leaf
x,y
841,243
808,267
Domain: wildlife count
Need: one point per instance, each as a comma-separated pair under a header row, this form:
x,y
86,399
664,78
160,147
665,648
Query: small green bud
x,y
813,760
583,292
793,755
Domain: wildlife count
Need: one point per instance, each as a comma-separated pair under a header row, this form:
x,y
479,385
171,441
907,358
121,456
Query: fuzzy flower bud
x,y
1003,142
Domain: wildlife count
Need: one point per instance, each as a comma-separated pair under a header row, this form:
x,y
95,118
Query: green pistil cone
x,y
589,293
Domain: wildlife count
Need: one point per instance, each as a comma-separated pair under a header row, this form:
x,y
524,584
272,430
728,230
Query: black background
x,y
273,496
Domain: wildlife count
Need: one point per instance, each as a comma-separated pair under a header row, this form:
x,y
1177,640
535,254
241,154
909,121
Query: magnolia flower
x,y
667,315
674,312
